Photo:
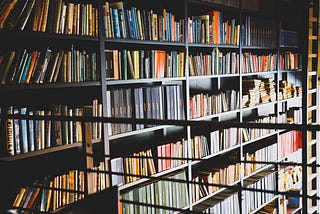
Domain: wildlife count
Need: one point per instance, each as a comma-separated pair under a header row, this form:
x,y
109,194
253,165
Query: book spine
x,y
16,129
116,23
31,132
9,133
23,131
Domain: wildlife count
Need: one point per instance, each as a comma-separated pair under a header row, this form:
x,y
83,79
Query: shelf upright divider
x,y
103,79
188,116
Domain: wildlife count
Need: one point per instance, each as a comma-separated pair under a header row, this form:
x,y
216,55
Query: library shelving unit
x,y
163,71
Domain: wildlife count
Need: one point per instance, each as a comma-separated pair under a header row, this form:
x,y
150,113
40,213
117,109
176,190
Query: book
x,y
37,140
117,167
116,22
45,10
51,15
15,14
57,16
41,67
9,133
117,18
30,123
7,10
37,15
64,125
57,126
13,78
57,67
7,64
16,130
42,130
48,130
24,17
19,197
24,131
130,63
25,68
33,62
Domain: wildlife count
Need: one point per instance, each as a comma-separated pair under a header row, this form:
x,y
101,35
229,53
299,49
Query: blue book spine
x,y
26,68
23,131
130,25
135,22
24,62
116,23
31,132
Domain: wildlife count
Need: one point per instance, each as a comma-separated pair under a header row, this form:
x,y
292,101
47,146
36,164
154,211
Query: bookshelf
x,y
198,60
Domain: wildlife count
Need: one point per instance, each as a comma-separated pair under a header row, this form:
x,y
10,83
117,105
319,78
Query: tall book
x,y
15,14
24,17
31,132
9,133
41,67
47,130
6,65
24,131
64,125
57,126
37,140
16,130
7,10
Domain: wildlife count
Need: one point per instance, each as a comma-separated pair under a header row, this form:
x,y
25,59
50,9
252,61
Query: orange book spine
x,y
32,64
6,12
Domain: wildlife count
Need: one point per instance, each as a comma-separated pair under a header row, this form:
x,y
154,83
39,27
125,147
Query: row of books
x,y
289,176
52,16
139,64
290,142
253,199
257,91
136,23
210,28
253,63
156,102
259,32
27,135
136,165
206,181
290,61
249,134
202,105
289,90
265,154
229,205
47,66
173,154
171,193
292,115
51,193
215,63
170,155
224,139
